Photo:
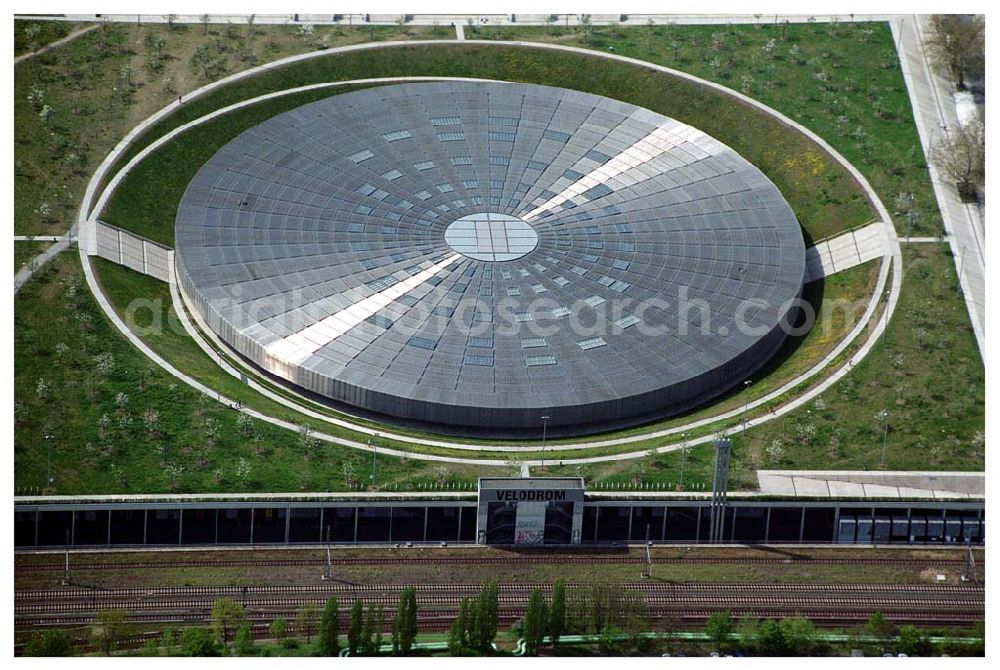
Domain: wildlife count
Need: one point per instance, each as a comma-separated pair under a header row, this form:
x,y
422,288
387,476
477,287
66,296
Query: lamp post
x,y
48,468
374,455
545,424
883,418
746,404
684,447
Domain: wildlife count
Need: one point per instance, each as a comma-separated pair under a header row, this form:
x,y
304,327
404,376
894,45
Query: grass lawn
x,y
31,35
103,83
78,379
840,80
25,251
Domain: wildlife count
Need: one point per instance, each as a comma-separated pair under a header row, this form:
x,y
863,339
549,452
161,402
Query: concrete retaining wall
x,y
139,254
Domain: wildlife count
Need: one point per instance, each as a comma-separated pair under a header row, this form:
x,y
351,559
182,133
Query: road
x,y
935,114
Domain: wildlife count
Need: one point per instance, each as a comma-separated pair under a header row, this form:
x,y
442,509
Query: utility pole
x,y
647,570
328,571
969,575
65,580
720,487
545,424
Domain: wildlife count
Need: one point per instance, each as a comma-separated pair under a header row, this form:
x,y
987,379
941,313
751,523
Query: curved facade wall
x,y
485,254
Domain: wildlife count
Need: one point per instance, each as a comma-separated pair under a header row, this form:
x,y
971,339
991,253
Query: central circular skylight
x,y
491,237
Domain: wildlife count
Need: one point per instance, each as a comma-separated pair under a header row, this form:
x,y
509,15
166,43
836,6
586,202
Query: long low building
x,y
505,511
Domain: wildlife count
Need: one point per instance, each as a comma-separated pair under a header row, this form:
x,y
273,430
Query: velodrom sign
x,y
530,510
511,495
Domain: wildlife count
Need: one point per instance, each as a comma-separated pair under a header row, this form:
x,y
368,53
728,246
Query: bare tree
x,y
957,42
961,156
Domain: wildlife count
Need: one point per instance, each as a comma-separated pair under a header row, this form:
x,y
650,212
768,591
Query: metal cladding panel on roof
x,y
301,239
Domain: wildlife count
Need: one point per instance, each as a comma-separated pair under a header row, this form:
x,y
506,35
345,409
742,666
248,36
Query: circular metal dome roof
x,y
484,253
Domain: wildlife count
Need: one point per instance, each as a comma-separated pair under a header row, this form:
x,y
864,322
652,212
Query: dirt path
x,y
72,36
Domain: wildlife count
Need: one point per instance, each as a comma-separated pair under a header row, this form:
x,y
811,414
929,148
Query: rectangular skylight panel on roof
x,y
481,342
597,191
424,165
422,343
513,291
446,121
396,135
605,280
485,361
560,312
365,189
461,160
533,342
451,137
591,343
497,136
523,317
555,135
470,183
391,175
499,160
509,121
423,195
445,188
362,209
533,361
380,321
538,288
361,156
627,321
597,156
620,286
595,300
578,270
561,281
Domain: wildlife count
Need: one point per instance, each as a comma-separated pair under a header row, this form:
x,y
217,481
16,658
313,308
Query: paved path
x,y
935,113
873,330
459,31
72,36
921,240
39,238
563,20
872,484
36,263
846,251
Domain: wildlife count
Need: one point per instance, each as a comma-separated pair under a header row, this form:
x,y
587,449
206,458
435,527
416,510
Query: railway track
x,y
335,588
484,560
959,605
